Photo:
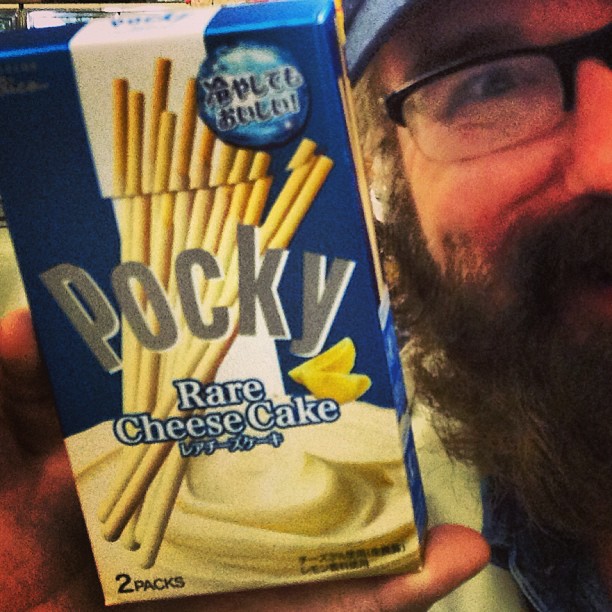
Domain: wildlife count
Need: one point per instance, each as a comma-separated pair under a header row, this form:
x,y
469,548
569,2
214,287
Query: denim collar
x,y
554,573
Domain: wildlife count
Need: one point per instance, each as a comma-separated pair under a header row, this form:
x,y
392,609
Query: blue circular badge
x,y
252,95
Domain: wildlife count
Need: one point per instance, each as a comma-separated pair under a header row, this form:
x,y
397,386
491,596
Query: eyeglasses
x,y
475,107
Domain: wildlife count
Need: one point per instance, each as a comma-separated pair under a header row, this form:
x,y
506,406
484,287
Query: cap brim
x,y
367,25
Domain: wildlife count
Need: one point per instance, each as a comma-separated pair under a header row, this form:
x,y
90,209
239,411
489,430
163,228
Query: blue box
x,y
188,210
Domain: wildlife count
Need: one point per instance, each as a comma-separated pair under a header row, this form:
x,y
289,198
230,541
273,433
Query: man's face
x,y
476,202
511,259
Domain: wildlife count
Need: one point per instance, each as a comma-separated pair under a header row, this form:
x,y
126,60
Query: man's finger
x,y
18,348
453,554
25,391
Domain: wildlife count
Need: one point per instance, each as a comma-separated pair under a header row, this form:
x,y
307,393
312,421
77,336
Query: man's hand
x,y
45,558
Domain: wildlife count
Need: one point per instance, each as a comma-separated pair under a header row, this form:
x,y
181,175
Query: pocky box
x,y
196,243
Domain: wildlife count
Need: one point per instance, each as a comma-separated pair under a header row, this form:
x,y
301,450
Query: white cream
x,y
270,515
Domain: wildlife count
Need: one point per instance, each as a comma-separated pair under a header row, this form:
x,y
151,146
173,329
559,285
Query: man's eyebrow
x,y
438,54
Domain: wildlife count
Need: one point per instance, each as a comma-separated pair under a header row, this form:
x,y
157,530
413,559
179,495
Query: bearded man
x,y
499,237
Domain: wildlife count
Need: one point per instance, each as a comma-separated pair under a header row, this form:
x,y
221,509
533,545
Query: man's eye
x,y
495,95
470,92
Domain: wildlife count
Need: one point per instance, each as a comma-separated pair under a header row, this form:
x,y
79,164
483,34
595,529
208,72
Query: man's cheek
x,y
481,198
449,207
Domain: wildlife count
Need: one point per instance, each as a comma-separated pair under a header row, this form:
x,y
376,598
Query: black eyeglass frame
x,y
565,56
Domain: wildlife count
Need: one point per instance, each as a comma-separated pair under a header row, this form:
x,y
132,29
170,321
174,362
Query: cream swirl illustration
x,y
331,500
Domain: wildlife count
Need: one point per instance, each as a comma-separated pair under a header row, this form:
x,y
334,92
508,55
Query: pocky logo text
x,y
97,322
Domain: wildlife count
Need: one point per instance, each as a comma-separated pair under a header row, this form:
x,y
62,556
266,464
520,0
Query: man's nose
x,y
590,168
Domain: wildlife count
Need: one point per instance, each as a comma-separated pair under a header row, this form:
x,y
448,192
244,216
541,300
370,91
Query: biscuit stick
x,y
159,101
120,133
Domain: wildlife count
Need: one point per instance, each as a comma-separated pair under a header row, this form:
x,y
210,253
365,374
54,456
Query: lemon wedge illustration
x,y
328,375
340,387
339,358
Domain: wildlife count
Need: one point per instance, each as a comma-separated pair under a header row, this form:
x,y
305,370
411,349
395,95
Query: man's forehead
x,y
439,32
443,45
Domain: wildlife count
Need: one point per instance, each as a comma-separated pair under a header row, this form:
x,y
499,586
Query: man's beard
x,y
517,386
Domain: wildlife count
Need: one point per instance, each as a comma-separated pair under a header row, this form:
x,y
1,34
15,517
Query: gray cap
x,y
367,22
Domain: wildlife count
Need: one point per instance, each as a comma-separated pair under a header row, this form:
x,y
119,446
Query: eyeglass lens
x,y
485,108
